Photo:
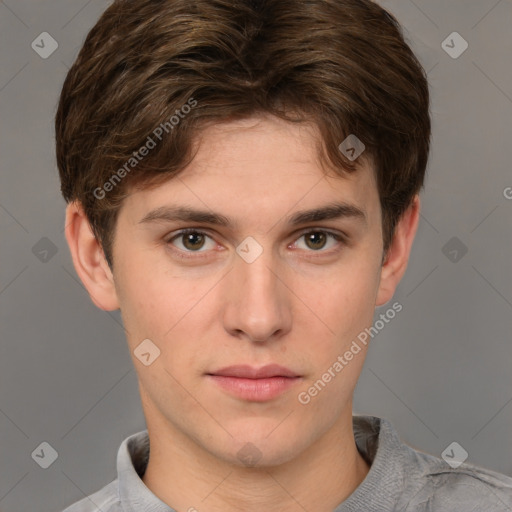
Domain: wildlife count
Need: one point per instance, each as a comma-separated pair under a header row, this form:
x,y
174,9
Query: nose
x,y
257,301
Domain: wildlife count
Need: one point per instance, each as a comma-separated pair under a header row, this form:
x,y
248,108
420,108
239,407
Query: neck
x,y
186,477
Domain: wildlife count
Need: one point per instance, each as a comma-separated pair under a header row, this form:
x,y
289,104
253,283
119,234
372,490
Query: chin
x,y
260,452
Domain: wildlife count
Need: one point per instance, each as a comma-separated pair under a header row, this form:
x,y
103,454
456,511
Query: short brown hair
x,y
341,64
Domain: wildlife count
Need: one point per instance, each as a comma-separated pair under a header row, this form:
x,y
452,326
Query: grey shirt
x,y
401,479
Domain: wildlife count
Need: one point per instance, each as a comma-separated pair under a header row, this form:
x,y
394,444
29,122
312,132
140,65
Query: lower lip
x,y
255,390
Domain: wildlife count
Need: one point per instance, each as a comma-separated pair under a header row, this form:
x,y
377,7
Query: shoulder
x,y
106,500
435,486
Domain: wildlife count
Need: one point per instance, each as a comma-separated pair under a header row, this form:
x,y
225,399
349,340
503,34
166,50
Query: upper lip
x,y
249,372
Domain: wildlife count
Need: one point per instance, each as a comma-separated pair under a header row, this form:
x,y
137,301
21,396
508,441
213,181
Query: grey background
x,y
440,371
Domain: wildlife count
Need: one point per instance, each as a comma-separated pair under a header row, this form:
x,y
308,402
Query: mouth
x,y
255,384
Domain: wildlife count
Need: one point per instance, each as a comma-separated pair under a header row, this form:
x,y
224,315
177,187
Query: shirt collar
x,y
378,442
132,460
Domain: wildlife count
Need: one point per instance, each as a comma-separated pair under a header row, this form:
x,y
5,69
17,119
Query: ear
x,y
89,260
398,253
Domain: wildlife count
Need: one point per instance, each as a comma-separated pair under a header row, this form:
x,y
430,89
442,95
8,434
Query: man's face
x,y
260,291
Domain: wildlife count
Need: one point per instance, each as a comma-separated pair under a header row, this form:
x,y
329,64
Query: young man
x,y
243,181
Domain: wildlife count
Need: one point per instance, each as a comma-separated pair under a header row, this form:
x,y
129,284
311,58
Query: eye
x,y
316,240
192,240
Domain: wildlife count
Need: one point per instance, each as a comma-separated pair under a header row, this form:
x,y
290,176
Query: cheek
x,y
150,305
172,313
341,305
150,296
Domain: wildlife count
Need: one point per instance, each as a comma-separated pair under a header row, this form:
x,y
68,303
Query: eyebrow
x,y
186,213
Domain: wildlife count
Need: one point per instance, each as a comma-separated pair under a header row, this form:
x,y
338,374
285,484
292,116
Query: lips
x,y
248,372
255,384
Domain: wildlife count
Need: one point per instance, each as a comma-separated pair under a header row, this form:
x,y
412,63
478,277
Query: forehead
x,y
261,135
257,166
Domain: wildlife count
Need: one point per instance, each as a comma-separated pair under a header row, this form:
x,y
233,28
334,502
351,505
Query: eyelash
x,y
197,254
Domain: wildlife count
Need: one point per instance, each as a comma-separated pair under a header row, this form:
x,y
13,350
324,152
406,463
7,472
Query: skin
x,y
299,304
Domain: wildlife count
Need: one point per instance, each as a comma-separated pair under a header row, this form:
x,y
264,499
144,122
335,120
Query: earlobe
x,y
399,251
89,260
